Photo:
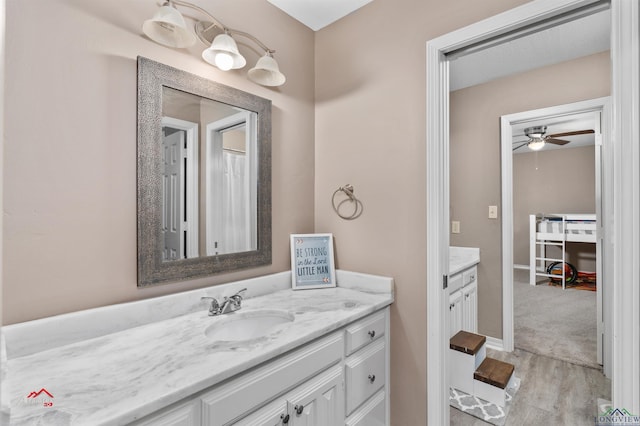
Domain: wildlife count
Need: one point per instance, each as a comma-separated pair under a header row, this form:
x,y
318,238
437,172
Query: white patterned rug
x,y
482,409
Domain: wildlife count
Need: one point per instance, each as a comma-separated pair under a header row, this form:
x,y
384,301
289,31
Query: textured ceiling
x,y
574,39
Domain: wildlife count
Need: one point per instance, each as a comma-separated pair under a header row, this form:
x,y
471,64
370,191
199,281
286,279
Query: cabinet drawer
x,y
372,413
365,374
364,331
469,276
241,396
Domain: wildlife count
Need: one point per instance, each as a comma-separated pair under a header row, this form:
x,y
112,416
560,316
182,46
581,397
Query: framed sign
x,y
312,261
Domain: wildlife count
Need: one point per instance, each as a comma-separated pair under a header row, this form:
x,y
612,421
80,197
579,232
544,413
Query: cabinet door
x,y
470,307
455,312
319,402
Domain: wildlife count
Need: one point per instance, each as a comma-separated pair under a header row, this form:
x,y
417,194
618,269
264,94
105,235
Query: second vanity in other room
x,y
324,361
463,289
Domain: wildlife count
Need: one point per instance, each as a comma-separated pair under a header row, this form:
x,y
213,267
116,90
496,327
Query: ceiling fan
x,y
537,138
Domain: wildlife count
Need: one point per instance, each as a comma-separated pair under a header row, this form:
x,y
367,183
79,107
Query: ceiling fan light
x,y
167,27
535,132
536,144
225,47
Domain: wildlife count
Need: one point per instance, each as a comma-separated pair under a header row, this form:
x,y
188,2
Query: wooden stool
x,y
466,352
491,379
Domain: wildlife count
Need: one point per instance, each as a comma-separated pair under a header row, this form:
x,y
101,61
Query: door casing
x,y
625,63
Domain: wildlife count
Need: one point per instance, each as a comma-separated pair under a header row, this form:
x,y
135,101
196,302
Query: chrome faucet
x,y
229,304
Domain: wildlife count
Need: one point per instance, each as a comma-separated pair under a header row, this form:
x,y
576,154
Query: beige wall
x,y
370,132
475,158
70,147
558,181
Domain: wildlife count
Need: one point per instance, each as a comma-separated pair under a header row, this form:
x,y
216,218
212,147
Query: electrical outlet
x,y
493,212
455,227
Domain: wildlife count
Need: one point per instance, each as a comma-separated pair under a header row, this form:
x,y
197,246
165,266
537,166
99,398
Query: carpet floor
x,y
553,322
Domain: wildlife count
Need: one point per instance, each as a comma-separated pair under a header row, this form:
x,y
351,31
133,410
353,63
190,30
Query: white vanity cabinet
x,y
470,307
367,370
463,301
233,400
455,312
315,403
327,363
339,379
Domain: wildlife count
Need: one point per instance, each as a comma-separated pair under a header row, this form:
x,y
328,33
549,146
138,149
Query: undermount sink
x,y
238,327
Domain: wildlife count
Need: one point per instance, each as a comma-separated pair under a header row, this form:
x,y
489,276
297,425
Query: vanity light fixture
x,y
168,27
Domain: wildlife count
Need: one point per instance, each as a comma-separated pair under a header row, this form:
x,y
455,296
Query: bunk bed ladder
x,y
540,246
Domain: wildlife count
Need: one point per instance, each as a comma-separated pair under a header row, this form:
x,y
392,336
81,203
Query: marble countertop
x,y
461,258
123,376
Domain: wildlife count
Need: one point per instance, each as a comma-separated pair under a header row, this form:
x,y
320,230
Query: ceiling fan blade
x,y
520,146
556,141
575,133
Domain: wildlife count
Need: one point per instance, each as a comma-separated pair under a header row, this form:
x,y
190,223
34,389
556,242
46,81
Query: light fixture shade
x,y
168,28
224,48
536,144
266,72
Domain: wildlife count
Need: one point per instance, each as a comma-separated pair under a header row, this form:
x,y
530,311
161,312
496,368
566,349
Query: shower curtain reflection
x,y
235,201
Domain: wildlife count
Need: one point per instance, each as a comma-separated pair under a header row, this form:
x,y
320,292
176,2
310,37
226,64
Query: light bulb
x,y
224,61
536,145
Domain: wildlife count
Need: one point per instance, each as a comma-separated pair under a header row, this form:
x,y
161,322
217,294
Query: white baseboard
x,y
494,343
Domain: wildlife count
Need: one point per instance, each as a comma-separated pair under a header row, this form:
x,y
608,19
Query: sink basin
x,y
238,327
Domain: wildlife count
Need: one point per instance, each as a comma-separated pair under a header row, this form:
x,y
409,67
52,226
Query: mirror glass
x,y
204,176
209,178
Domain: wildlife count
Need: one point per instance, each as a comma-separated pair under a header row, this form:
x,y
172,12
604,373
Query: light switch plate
x,y
455,227
493,212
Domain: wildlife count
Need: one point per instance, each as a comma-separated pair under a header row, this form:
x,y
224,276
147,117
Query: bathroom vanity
x,y
463,289
322,359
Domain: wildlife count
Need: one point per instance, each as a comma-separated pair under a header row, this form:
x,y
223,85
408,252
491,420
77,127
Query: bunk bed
x,y
547,230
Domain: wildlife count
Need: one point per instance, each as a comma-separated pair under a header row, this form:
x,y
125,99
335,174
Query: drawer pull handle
x,y
372,378
299,409
285,419
372,333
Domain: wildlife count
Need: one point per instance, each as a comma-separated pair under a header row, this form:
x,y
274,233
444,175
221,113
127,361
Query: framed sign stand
x,y
312,263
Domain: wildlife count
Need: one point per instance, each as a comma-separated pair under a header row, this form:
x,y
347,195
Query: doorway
x,y
626,132
593,346
179,189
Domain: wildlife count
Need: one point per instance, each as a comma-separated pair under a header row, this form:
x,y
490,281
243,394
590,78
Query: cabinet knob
x,y
285,419
372,378
372,333
299,409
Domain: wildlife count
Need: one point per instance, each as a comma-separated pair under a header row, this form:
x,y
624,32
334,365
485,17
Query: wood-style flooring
x,y
552,392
